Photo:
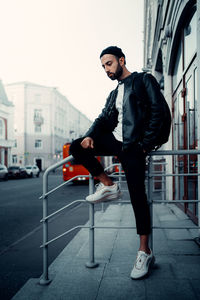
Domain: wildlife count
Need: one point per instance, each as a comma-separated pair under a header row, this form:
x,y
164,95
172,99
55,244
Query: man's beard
x,y
117,74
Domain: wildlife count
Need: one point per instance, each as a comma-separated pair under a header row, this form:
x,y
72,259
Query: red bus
x,y
72,169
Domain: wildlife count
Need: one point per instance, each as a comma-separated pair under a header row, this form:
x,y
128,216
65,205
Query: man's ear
x,y
121,61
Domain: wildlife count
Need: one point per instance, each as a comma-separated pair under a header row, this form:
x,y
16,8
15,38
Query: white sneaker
x,y
142,264
104,193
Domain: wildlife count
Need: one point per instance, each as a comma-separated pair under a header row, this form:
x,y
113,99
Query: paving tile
x,y
181,247
119,288
76,280
119,269
165,289
178,234
196,287
187,267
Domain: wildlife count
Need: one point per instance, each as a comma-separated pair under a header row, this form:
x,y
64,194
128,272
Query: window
x,y
38,144
14,159
38,118
38,128
15,143
190,40
2,129
37,113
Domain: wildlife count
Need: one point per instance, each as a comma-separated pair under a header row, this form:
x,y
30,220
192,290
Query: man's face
x,y
111,65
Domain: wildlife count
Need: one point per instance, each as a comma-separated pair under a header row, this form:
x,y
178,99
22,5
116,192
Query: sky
x,y
58,42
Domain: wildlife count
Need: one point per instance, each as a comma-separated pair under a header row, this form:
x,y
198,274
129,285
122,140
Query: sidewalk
x,y
175,275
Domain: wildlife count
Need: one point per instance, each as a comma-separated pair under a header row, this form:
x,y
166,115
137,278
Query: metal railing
x,y
150,177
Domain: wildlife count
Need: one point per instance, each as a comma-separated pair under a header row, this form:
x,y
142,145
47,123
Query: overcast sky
x,y
57,43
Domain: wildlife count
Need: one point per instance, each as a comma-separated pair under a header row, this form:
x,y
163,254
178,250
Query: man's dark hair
x,y
114,50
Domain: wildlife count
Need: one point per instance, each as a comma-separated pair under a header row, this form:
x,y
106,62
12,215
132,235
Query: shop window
x,y
191,113
178,123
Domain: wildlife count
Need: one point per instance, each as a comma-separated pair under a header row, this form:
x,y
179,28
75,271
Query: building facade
x,y
44,120
171,54
6,127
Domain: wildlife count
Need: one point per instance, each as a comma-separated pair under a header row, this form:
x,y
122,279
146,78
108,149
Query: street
x,y
21,230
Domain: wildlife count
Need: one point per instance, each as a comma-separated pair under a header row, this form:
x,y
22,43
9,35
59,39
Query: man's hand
x,y
87,143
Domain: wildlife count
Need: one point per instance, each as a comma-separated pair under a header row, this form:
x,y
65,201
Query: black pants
x,y
133,164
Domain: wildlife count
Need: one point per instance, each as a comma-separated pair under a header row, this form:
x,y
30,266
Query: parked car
x,y
32,170
17,172
3,172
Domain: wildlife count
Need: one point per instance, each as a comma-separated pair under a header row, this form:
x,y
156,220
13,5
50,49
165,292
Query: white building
x,y
44,121
6,127
172,55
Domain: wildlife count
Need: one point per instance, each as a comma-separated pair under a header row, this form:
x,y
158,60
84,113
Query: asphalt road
x,y
21,230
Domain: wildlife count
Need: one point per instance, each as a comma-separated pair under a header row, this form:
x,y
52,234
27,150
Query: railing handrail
x,y
174,152
111,166
61,209
58,164
152,153
45,280
70,158
62,184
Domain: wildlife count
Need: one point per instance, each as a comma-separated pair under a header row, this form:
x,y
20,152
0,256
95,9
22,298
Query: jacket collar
x,y
128,79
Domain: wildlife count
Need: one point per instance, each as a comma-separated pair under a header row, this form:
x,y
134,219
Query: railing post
x,y
164,182
45,276
120,174
120,178
150,197
91,263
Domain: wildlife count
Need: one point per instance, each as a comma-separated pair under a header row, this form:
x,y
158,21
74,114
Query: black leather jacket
x,y
142,112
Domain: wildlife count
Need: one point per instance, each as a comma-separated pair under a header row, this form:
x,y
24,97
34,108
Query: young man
x,y
127,128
